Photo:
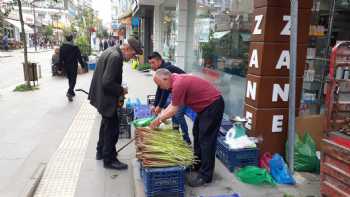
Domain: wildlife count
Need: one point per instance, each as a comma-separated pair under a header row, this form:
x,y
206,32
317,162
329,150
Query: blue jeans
x,y
179,119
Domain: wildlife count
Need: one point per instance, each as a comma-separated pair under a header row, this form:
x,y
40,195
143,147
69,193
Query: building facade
x,y
211,38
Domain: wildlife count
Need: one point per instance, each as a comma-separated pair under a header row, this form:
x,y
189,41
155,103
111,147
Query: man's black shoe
x,y
116,165
70,97
195,180
99,156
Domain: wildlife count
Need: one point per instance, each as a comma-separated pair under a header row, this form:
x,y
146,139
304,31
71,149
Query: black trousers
x,y
72,78
108,138
205,131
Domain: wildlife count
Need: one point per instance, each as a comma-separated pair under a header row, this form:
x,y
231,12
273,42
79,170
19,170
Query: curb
x,y
34,181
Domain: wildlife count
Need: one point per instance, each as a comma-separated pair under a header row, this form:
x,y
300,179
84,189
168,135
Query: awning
x,y
218,35
245,37
17,24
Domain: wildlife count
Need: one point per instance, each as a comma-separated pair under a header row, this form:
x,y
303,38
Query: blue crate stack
x,y
142,111
164,181
236,158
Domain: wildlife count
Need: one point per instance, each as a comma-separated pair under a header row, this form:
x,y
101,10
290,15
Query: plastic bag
x,y
305,158
279,171
264,161
254,175
144,122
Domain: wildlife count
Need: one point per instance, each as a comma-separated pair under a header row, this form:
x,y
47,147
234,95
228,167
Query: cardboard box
x,y
314,125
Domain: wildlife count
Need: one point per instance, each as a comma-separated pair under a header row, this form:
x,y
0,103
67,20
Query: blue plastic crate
x,y
92,66
236,158
225,126
164,181
190,113
232,195
142,111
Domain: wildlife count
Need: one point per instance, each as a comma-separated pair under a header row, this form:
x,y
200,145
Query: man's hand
x,y
157,110
125,90
155,123
153,109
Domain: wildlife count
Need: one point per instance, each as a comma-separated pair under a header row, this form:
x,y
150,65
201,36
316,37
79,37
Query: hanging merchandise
x,y
254,175
305,158
279,171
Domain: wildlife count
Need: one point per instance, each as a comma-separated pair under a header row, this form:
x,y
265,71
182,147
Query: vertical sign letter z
x,y
257,29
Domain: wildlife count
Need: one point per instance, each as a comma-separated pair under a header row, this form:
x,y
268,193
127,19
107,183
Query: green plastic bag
x,y
144,122
254,175
305,158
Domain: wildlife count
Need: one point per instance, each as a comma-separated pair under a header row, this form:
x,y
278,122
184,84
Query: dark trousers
x,y
205,130
108,138
72,79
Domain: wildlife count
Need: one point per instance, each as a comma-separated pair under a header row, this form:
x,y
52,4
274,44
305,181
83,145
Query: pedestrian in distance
x,y
163,97
205,99
5,42
70,55
105,44
106,91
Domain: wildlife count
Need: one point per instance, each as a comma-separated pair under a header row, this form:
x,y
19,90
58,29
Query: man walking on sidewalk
x,y
105,91
161,101
206,100
69,57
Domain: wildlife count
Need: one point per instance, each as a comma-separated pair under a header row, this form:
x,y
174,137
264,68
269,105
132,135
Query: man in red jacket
x,y
205,99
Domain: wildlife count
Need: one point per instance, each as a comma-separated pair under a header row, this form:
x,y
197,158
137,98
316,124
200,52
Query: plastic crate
x,y
225,126
124,131
142,111
233,159
151,99
231,195
164,181
92,66
126,115
190,113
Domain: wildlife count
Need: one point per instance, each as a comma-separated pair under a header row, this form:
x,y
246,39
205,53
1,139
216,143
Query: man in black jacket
x,y
105,92
162,96
69,57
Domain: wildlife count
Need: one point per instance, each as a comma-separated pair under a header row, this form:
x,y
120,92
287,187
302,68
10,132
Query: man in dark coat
x,y
105,92
69,57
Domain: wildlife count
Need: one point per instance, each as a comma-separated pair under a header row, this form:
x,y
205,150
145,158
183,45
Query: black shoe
x,y
195,180
70,97
116,165
99,156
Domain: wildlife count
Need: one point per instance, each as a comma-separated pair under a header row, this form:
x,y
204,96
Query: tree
x,y
48,32
4,12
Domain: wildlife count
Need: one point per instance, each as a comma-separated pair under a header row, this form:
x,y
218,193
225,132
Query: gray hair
x,y
162,72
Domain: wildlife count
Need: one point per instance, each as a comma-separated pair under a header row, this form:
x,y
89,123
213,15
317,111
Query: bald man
x,y
205,99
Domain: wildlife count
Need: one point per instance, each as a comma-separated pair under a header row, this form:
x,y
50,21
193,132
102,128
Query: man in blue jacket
x,y
162,96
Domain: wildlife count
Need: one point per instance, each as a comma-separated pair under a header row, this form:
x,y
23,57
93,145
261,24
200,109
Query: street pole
x,y
292,81
35,36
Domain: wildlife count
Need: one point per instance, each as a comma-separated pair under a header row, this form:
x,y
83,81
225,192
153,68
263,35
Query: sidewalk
x,y
90,179
32,126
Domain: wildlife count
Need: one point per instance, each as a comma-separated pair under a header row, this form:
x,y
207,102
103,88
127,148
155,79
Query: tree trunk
x,y
24,40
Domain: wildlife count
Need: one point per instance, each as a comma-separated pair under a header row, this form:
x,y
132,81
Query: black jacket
x,y
162,95
70,56
105,88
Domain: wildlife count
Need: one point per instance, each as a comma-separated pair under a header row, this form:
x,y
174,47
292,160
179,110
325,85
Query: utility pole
x,y
35,32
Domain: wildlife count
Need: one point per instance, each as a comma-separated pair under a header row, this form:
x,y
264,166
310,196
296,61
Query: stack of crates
x,y
126,116
142,111
233,159
163,181
151,99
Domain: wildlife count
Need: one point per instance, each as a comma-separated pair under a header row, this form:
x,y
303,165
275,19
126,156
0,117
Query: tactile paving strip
x,y
62,172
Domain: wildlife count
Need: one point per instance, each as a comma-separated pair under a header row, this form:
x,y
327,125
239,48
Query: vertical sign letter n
x,y
251,90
